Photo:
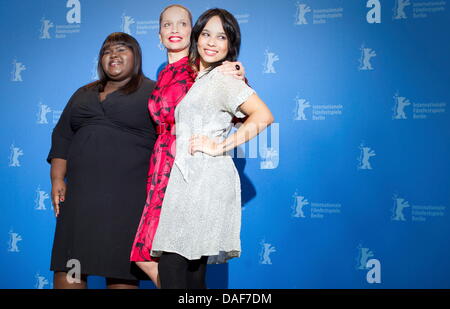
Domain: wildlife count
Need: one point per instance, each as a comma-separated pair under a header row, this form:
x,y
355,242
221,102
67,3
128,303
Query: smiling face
x,y
175,29
118,62
212,43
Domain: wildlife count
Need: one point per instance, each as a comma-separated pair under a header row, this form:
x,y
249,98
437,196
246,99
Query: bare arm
x,y
259,118
57,174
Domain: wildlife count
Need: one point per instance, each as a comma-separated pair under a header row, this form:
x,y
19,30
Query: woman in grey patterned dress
x,y
201,213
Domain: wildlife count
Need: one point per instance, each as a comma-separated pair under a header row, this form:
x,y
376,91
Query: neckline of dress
x,y
181,61
108,96
204,73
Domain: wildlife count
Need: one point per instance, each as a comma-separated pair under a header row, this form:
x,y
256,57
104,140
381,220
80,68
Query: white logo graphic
x,y
418,213
374,15
420,9
300,106
271,58
299,203
43,110
13,240
267,249
319,111
399,205
316,210
94,73
138,27
18,67
242,18
322,15
363,256
374,273
16,152
399,9
39,202
74,14
270,155
74,274
302,9
373,266
42,113
127,21
271,158
41,282
366,154
61,31
366,55
422,110
399,107
45,27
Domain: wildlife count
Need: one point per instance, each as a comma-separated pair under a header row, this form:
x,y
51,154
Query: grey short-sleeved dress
x,y
201,212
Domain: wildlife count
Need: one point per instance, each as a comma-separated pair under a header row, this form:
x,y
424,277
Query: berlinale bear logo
x,y
366,55
127,21
41,282
399,9
16,152
45,27
399,205
302,9
13,241
299,203
365,154
42,113
300,106
41,196
270,59
399,108
16,74
267,249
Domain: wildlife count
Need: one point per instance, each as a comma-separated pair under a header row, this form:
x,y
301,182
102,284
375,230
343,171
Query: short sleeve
x,y
62,133
235,93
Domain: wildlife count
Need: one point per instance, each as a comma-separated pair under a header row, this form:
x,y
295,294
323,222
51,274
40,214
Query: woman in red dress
x,y
174,81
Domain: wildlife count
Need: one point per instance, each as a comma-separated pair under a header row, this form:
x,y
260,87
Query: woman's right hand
x,y
58,194
230,68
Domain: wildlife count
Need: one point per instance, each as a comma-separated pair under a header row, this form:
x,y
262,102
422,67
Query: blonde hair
x,y
171,6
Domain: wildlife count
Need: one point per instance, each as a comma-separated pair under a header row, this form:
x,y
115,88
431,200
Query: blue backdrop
x,y
350,187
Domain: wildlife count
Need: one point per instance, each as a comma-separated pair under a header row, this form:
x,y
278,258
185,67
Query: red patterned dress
x,y
174,81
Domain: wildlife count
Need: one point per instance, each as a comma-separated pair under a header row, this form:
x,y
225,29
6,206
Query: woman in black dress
x,y
99,160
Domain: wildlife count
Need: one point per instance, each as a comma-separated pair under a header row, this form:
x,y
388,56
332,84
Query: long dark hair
x,y
232,30
137,75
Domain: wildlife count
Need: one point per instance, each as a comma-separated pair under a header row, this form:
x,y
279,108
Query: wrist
x,y
220,149
57,179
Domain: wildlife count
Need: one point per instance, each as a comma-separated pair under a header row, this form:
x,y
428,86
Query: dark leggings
x,y
177,272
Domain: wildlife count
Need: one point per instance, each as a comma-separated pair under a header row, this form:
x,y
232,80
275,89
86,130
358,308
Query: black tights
x,y
177,272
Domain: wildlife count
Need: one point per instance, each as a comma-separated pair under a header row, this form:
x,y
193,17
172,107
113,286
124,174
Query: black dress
x,y
107,146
